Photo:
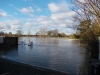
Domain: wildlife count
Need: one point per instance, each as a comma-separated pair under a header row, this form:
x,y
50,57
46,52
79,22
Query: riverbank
x,y
9,67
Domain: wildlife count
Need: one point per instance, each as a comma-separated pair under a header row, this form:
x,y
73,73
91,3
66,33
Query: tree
x,y
88,17
89,36
2,33
19,32
6,34
76,36
63,34
42,31
10,34
56,32
29,33
59,35
53,33
49,33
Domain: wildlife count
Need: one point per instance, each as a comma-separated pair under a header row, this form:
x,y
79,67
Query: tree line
x,y
50,33
43,32
18,33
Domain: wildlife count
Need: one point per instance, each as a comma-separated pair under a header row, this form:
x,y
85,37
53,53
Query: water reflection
x,y
11,51
65,55
84,68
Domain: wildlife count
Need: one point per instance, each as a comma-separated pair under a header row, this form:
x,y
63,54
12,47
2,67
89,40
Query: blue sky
x,y
32,15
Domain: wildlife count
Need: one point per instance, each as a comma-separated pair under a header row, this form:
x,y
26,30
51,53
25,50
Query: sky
x,y
32,15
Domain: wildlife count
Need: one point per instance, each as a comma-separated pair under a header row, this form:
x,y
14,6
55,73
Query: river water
x,y
64,55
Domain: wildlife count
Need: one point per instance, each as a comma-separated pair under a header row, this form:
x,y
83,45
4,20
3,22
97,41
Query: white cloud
x,y
10,24
61,12
83,1
62,16
53,7
27,10
41,18
29,24
44,21
13,22
62,7
59,16
4,14
4,26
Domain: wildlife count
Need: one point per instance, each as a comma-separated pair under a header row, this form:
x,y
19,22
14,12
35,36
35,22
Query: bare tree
x,y
2,33
89,9
42,31
10,34
29,33
49,33
19,32
88,17
53,33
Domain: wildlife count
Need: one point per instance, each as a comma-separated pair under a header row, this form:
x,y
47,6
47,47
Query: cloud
x,y
45,21
61,7
53,7
15,24
83,1
42,17
4,26
60,11
10,24
4,14
27,10
61,14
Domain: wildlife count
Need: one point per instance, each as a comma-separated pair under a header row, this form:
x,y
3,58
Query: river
x,y
64,55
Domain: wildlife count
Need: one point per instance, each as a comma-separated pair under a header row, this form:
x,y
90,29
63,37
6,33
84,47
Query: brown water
x,y
65,55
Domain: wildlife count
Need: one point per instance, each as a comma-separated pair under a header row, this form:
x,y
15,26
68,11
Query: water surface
x,y
65,55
